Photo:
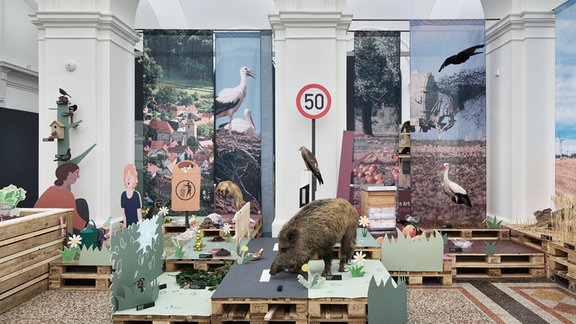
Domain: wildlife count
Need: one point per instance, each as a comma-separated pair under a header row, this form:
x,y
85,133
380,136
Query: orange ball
x,y
409,230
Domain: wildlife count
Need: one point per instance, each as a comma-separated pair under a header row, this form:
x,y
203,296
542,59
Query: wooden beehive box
x,y
378,200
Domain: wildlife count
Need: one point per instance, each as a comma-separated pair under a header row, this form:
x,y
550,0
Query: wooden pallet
x,y
498,265
473,234
159,319
173,265
414,278
72,276
259,310
345,310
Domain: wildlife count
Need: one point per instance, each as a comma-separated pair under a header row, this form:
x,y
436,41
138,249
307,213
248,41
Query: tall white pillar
x,y
520,79
98,38
310,48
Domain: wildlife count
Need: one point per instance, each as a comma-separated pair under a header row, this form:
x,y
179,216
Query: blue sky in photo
x,y
233,51
566,78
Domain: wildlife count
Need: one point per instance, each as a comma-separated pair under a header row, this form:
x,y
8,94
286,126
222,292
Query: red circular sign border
x,y
310,86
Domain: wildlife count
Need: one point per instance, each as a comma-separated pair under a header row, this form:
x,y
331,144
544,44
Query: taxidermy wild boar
x,y
315,229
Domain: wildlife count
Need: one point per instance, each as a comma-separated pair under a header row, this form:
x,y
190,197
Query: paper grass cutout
x,y
178,248
364,222
314,280
405,254
490,248
95,256
387,303
494,223
68,254
356,269
12,195
136,268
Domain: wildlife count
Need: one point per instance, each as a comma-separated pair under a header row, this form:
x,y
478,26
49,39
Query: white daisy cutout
x,y
226,228
359,258
364,221
163,211
74,241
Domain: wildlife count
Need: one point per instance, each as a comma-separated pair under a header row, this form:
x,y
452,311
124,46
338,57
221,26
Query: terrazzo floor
x,y
473,301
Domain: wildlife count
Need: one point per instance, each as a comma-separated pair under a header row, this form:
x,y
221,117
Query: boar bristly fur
x,y
315,229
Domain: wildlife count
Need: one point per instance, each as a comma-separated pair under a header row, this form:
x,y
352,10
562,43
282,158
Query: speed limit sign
x,y
313,101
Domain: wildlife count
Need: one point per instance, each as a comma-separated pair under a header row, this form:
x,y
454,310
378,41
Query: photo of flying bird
x,y
229,100
462,56
311,163
454,191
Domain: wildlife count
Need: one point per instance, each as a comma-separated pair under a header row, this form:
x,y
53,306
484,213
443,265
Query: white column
x,y
310,47
99,38
520,109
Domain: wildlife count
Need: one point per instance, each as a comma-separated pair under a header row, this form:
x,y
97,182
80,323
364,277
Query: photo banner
x,y
237,119
565,99
178,96
448,121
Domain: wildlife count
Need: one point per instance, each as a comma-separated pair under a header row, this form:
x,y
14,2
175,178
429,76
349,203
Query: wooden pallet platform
x,y
72,276
335,310
159,319
255,227
472,233
172,265
510,259
259,310
414,278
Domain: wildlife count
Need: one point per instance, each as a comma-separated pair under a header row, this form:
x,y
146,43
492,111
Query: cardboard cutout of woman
x,y
59,196
130,200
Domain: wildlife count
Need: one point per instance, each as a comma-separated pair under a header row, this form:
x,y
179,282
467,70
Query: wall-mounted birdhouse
x,y
57,130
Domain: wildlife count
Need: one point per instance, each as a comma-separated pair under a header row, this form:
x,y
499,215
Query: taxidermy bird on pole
x,y
311,163
457,194
461,57
229,100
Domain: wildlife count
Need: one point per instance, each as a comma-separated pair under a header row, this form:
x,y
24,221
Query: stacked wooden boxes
x,y
27,246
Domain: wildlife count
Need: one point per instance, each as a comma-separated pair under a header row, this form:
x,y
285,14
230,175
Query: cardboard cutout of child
x,y
130,200
59,196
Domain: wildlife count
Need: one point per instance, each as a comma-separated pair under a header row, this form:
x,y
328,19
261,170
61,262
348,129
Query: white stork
x,y
230,99
242,125
457,194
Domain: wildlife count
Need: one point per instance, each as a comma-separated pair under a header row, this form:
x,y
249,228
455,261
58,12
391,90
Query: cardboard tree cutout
x,y
186,186
242,219
137,262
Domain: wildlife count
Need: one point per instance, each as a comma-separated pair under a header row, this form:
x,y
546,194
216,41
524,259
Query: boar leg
x,y
347,246
327,257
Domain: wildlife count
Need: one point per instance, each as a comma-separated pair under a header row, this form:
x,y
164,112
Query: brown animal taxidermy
x,y
230,189
315,229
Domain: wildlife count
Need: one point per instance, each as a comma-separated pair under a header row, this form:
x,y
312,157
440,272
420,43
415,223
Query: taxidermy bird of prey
x,y
461,57
230,99
311,163
63,92
63,157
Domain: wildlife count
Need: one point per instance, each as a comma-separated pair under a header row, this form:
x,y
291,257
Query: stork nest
x,y
237,159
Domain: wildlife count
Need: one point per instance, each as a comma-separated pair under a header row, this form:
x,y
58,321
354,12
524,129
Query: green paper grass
x,y
356,271
494,223
68,254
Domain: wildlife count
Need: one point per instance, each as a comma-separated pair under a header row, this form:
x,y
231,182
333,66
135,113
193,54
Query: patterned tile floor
x,y
473,301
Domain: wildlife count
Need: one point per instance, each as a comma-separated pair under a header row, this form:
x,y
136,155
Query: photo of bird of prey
x,y
461,57
229,100
311,163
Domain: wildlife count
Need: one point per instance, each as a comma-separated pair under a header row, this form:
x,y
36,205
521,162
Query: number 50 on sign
x,y
313,101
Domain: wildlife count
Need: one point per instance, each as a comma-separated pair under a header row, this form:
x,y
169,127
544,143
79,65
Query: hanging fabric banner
x,y
448,122
237,112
